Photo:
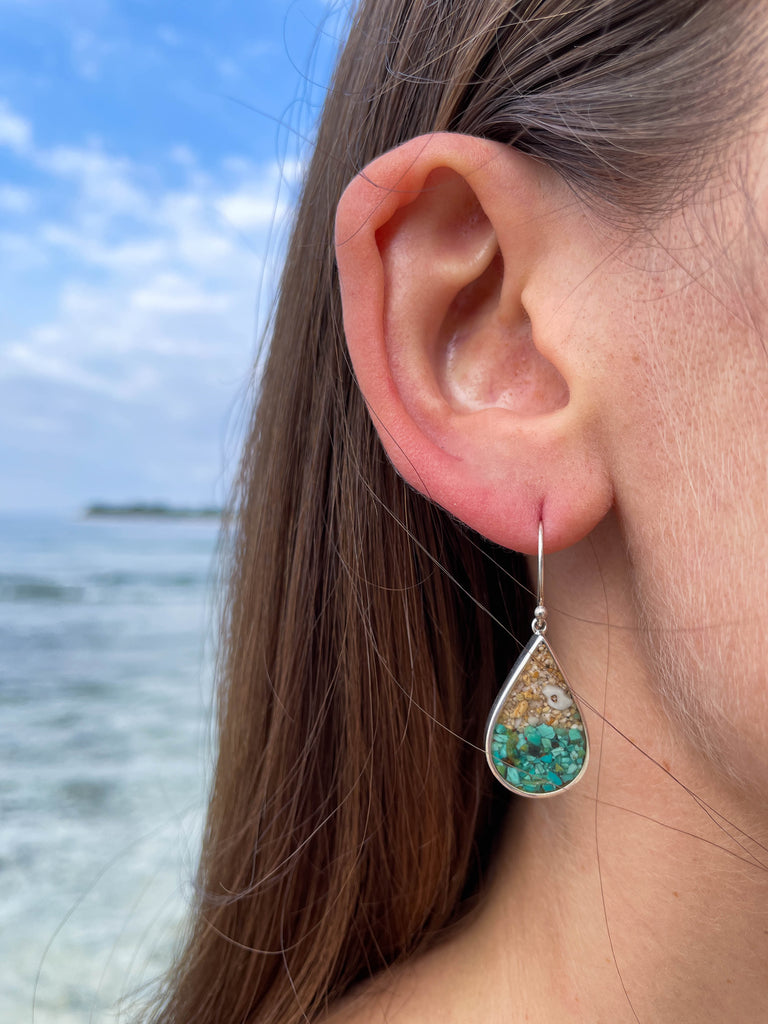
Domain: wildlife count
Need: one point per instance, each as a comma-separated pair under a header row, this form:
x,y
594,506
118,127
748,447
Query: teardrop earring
x,y
535,740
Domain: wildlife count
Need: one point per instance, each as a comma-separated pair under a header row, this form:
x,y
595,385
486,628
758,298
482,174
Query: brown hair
x,y
366,632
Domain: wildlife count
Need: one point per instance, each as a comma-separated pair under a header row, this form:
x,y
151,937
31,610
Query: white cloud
x,y
248,209
147,319
228,68
258,49
115,255
169,293
21,252
90,52
292,171
15,131
103,180
182,155
169,36
63,371
15,200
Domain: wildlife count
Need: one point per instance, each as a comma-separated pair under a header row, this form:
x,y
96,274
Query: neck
x,y
642,894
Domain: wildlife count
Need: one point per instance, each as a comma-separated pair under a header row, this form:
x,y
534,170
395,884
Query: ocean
x,y
106,649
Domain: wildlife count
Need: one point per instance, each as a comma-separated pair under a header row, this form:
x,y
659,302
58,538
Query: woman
x,y
546,308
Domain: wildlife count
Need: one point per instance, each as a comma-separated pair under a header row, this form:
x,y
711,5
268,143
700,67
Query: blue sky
x,y
150,152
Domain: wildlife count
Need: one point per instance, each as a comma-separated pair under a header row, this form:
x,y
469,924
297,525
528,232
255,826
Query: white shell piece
x,y
556,697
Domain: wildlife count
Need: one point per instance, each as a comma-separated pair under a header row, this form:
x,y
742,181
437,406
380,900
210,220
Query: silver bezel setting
x,y
508,687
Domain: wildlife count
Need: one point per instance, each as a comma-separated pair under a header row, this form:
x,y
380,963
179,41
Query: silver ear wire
x,y
539,624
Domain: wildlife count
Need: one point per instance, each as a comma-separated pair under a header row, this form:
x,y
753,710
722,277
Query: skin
x,y
513,345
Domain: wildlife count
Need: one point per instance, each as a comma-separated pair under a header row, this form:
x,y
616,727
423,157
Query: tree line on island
x,y
154,510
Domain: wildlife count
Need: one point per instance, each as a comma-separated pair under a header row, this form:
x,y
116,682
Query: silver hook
x,y
540,588
539,624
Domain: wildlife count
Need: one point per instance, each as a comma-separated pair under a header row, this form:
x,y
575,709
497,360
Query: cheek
x,y
691,472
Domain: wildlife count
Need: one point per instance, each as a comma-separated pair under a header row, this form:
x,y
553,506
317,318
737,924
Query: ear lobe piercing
x,y
535,740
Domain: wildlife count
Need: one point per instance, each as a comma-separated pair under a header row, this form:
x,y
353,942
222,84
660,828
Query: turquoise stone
x,y
536,740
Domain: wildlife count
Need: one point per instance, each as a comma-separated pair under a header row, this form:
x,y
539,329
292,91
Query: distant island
x,y
150,510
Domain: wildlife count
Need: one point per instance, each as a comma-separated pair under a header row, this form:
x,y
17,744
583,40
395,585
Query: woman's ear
x,y
459,260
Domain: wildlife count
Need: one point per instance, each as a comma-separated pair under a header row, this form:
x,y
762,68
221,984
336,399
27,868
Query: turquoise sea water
x,y
106,637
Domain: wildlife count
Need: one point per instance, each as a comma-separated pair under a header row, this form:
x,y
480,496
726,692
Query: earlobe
x,y
447,253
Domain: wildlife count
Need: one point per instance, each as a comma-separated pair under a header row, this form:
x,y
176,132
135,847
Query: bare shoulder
x,y
389,998
424,991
